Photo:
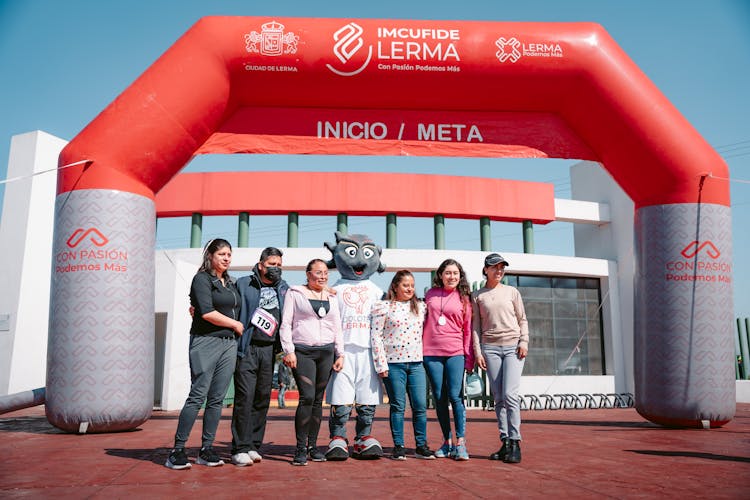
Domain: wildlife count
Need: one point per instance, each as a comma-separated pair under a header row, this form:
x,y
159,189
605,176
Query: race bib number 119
x,y
264,321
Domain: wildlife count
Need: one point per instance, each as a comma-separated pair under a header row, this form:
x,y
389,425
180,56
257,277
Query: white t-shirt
x,y
355,299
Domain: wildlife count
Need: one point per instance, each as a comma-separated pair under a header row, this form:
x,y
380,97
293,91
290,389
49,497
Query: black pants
x,y
312,374
253,377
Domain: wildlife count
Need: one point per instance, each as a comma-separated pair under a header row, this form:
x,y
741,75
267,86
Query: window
x,y
565,324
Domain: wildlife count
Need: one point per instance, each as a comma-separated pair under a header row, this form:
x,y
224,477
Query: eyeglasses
x,y
319,274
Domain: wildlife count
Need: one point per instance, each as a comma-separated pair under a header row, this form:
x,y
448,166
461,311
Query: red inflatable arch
x,y
388,87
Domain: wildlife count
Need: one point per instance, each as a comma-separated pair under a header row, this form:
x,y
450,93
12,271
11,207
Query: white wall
x,y
613,242
743,391
579,384
175,270
26,249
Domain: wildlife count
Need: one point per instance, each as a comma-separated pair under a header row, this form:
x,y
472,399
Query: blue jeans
x,y
282,392
504,370
447,379
403,377
340,416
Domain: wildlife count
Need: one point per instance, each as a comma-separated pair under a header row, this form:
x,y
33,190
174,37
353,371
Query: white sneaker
x,y
255,456
242,459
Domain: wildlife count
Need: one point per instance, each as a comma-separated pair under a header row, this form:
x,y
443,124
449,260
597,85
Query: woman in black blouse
x,y
213,352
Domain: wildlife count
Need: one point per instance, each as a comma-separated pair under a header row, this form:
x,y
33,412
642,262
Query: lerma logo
x,y
348,42
695,247
509,49
93,234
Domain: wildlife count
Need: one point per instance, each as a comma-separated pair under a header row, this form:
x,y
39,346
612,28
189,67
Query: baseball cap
x,y
494,259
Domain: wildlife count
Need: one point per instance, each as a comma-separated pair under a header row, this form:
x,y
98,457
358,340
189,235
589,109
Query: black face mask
x,y
273,273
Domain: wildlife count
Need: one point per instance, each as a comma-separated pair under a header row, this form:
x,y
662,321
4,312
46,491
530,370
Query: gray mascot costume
x,y
356,258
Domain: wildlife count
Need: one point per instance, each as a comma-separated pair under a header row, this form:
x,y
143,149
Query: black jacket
x,y
249,287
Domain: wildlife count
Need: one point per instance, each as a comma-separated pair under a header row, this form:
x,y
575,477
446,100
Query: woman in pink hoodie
x,y
447,351
313,344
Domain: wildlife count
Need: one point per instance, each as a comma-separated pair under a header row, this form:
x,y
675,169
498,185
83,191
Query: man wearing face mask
x,y
262,294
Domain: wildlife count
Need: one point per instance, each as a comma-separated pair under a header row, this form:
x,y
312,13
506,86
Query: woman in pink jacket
x,y
447,351
313,344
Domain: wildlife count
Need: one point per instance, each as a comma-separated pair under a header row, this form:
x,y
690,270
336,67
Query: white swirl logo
x,y
508,49
348,42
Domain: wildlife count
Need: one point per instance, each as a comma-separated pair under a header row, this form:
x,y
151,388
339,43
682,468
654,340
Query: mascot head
x,y
355,256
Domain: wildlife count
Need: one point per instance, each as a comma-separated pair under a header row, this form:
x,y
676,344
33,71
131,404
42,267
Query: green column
x,y
292,230
243,230
528,237
196,229
439,232
391,231
342,223
485,234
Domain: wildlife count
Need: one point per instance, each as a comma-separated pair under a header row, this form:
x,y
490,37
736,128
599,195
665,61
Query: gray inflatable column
x,y
100,355
684,345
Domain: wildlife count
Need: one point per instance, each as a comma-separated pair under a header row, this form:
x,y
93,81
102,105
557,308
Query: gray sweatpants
x,y
212,361
504,369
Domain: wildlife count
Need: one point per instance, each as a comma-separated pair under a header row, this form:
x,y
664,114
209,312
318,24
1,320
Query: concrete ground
x,y
602,453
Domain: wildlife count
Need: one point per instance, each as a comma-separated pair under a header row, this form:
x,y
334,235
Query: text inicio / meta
x,y
443,132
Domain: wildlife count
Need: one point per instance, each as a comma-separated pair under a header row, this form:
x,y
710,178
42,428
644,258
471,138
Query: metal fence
x,y
566,401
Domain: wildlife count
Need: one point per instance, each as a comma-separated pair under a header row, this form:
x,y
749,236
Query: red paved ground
x,y
566,453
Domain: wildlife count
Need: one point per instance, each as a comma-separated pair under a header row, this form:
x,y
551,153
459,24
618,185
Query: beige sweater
x,y
498,318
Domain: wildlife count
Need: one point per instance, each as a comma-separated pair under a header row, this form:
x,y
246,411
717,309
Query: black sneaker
x,y
178,459
209,457
399,453
425,453
514,452
501,453
315,454
300,457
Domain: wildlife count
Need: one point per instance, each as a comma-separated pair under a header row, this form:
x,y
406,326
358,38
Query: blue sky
x,y
63,62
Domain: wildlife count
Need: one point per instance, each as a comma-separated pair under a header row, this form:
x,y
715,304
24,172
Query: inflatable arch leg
x,y
684,350
21,400
100,363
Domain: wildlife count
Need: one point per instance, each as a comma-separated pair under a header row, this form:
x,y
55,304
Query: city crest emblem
x,y
272,39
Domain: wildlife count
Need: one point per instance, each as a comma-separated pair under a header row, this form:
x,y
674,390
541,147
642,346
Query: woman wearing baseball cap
x,y
500,334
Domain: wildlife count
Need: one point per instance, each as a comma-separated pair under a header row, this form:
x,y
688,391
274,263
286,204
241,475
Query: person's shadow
x,y
692,454
29,424
39,425
271,452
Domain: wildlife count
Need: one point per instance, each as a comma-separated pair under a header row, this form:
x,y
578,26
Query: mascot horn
x,y
357,385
